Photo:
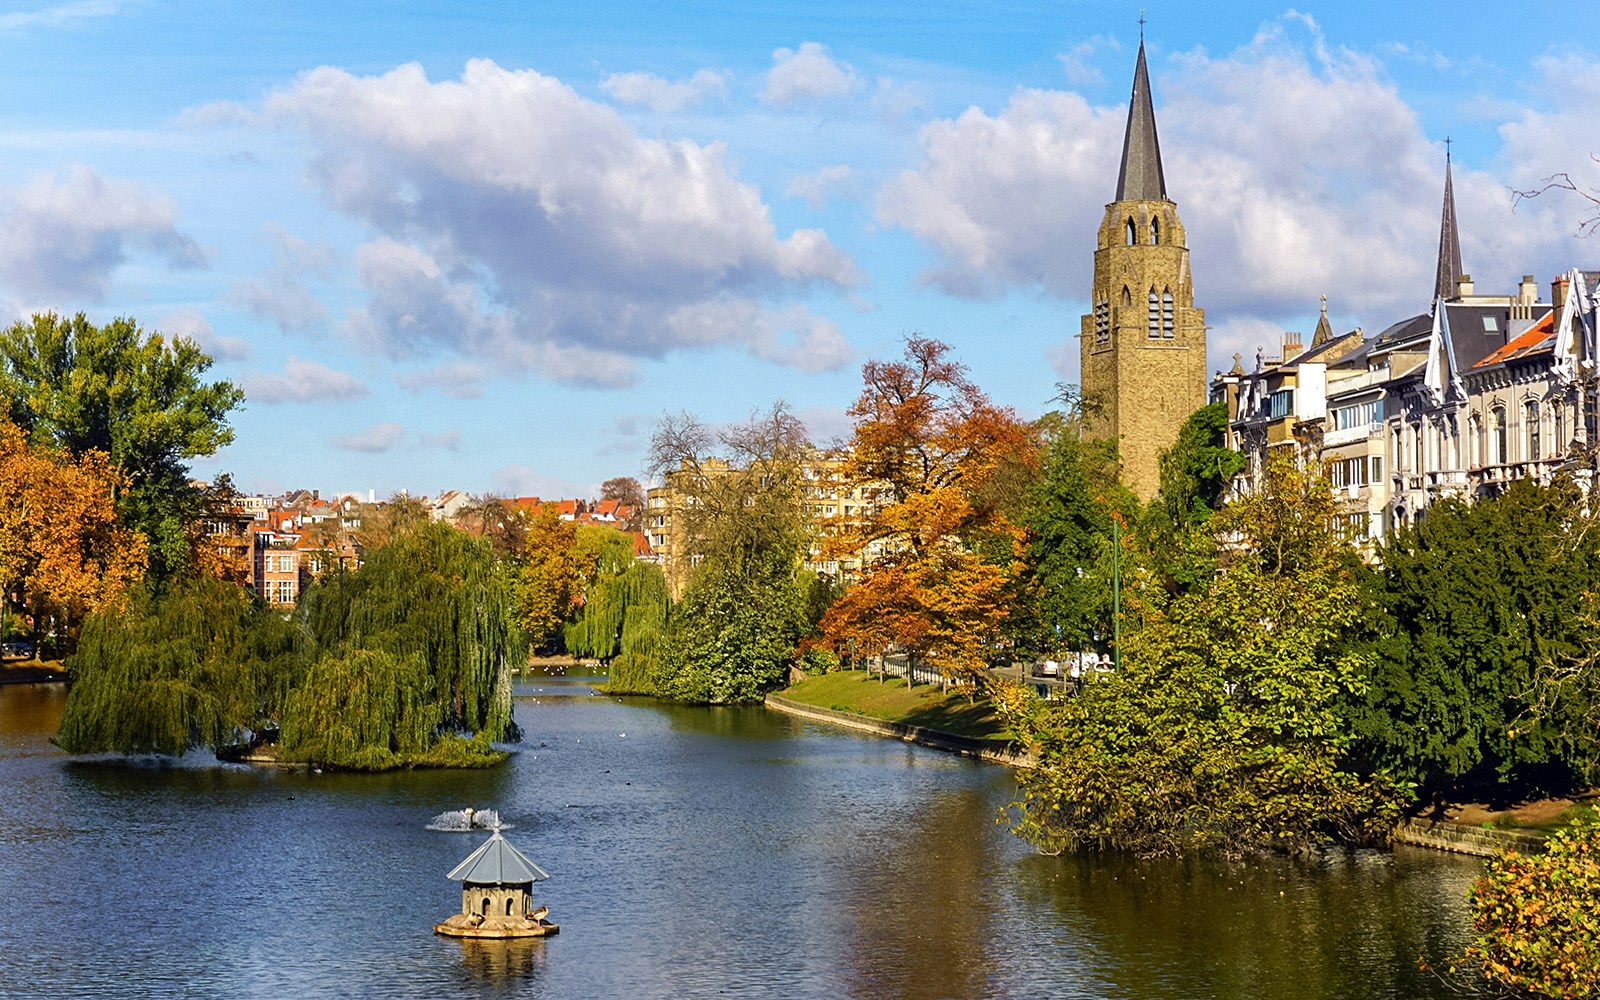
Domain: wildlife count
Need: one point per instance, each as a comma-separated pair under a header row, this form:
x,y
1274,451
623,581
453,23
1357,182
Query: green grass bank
x,y
923,705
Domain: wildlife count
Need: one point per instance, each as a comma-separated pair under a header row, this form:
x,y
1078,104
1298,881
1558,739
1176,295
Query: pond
x,y
693,852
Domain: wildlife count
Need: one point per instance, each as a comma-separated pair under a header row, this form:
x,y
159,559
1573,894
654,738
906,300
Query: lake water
x,y
693,852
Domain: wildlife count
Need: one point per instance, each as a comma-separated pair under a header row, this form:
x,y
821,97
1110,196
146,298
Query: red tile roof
x,y
1536,338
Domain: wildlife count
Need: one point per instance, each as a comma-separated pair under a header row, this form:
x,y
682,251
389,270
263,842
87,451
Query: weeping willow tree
x,y
199,665
624,616
436,608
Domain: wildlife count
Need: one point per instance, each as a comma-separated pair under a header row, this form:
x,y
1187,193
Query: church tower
x,y
1143,353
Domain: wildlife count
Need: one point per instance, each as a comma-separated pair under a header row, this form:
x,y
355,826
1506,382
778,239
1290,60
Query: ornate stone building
x,y
1144,344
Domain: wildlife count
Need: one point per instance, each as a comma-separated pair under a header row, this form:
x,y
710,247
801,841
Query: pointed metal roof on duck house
x,y
497,863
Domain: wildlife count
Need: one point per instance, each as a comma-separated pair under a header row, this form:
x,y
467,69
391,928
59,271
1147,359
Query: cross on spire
x,y
1141,25
1447,141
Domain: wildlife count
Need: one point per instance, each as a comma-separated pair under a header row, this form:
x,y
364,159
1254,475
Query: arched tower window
x,y
1166,312
1127,297
1133,232
508,906
1497,436
1531,429
1155,231
1154,323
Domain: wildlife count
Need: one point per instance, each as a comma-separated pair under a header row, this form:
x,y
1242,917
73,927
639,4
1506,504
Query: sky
x,y
487,247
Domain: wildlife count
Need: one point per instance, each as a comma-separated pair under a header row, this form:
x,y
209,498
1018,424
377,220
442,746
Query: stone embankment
x,y
1480,841
988,750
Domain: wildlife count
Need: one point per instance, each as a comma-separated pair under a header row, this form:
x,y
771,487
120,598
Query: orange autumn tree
x,y
63,551
940,469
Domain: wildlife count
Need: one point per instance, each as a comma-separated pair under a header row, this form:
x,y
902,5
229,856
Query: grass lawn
x,y
890,700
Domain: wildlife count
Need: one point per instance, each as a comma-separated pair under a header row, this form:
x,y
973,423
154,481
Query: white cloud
x,y
280,295
1298,169
304,382
816,187
527,228
807,73
523,481
380,437
449,440
61,15
456,379
189,323
661,95
62,236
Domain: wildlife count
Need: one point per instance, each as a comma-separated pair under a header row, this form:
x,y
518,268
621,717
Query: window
x,y
1166,313
1155,232
1497,436
1474,441
1280,403
1133,233
1154,323
1348,472
1102,322
1377,469
1357,415
1530,419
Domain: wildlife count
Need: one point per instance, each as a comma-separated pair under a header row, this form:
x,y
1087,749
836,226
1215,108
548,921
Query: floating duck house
x,y
497,895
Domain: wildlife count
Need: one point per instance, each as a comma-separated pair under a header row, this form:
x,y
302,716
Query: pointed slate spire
x,y
1450,268
1324,328
1140,178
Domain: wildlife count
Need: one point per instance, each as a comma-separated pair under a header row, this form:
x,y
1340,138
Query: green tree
x,y
1069,531
1538,916
744,526
198,665
1482,602
1222,731
136,396
435,594
1195,473
734,634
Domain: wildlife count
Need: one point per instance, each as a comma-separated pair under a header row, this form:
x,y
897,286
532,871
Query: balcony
x,y
1348,435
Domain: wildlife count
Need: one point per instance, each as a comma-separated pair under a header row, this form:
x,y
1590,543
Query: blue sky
x,y
487,246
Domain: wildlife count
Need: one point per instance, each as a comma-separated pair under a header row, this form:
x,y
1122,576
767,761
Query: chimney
x,y
1291,344
1558,296
1527,292
1463,286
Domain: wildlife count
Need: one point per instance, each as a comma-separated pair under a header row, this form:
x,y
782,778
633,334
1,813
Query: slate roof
x,y
1450,266
1477,331
497,863
1405,330
1539,338
1140,178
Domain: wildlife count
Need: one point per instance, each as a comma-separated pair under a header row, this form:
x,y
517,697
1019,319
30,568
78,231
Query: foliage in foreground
x,y
1221,731
1538,916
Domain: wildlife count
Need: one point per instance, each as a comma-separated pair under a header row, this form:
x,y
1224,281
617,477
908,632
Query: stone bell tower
x,y
1143,354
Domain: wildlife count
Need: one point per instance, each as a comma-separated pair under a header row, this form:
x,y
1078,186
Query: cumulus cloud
x,y
449,440
456,379
662,95
189,323
1297,167
815,188
525,227
381,437
523,481
62,236
304,382
280,295
807,73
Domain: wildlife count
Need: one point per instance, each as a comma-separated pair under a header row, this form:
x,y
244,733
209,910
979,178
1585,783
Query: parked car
x,y
23,650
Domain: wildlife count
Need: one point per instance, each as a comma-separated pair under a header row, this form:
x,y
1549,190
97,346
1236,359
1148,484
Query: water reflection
x,y
706,853
922,906
502,962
